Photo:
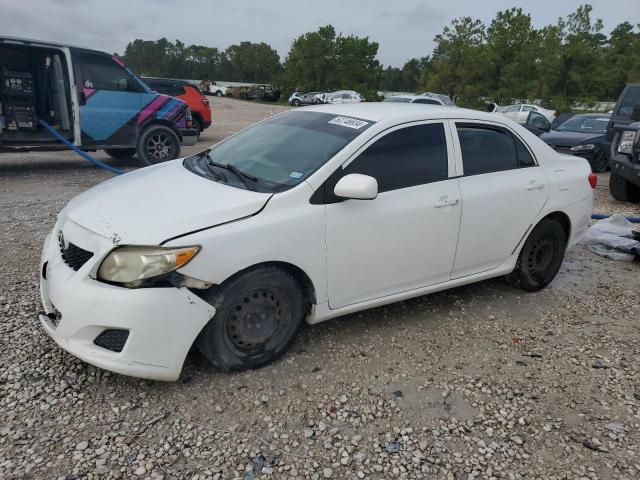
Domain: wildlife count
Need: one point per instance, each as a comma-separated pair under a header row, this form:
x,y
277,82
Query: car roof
x,y
46,43
378,111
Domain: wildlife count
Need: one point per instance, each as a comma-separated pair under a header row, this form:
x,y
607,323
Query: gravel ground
x,y
482,381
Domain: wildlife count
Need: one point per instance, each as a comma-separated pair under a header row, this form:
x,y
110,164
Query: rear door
x,y
503,190
110,99
406,237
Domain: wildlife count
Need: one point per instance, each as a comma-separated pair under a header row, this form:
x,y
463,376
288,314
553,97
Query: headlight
x,y
626,142
586,147
131,265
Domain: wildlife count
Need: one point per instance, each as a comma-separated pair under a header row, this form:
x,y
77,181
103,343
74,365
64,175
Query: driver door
x,y
110,99
406,237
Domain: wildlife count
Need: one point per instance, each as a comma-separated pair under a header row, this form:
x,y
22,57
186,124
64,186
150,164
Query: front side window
x,y
528,108
428,101
404,158
486,149
631,99
279,152
101,72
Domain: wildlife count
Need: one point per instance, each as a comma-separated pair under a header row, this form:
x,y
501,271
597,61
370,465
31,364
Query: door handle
x,y
533,185
445,201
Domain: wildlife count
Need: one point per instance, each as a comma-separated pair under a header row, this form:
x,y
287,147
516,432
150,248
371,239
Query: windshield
x,y
279,152
397,99
585,125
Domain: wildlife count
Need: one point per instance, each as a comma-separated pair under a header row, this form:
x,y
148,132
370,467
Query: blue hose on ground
x,y
600,216
83,154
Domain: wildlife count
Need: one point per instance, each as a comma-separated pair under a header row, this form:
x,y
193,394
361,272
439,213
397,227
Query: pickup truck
x,y
624,130
90,98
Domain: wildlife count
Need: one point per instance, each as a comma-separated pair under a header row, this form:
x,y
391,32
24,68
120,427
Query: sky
x,y
403,28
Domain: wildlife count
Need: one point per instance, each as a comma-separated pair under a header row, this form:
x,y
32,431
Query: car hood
x,y
154,204
569,139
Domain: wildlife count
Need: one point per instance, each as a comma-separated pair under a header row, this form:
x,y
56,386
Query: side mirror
x,y
357,186
123,84
635,113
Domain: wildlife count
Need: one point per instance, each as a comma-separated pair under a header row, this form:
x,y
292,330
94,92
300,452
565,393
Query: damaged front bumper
x,y
158,325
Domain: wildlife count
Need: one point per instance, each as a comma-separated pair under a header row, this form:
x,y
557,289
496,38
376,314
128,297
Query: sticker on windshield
x,y
348,122
295,175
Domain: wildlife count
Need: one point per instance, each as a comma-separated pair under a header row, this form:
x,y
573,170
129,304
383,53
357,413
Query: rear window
x,y
631,98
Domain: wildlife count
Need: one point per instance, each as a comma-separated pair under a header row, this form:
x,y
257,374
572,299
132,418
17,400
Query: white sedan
x,y
520,112
308,215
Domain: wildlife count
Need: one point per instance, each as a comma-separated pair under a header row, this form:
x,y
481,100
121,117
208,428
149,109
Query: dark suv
x,y
624,182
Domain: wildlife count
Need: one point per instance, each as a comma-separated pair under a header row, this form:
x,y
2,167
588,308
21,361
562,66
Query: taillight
x,y
205,101
593,180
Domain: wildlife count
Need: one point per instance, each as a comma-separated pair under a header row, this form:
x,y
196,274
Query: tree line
x,y
571,60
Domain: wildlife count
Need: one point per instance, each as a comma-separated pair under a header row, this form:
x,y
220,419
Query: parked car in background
x,y
415,99
344,96
583,135
520,112
623,110
264,93
188,93
298,99
355,206
624,181
445,99
90,98
217,90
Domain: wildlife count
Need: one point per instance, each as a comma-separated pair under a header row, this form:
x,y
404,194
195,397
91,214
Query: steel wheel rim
x,y
541,256
159,146
255,318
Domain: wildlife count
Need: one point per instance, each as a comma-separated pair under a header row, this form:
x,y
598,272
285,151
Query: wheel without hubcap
x,y
258,314
540,257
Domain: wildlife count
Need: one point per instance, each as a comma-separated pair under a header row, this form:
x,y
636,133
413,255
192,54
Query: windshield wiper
x,y
236,171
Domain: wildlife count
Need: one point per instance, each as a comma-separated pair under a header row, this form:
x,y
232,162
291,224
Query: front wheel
x,y
540,257
623,190
296,102
258,314
157,144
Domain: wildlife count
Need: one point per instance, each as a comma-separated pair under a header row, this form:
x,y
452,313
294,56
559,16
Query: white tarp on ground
x,y
613,238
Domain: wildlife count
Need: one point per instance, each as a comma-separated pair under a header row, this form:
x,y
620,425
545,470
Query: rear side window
x,y
486,150
404,158
630,99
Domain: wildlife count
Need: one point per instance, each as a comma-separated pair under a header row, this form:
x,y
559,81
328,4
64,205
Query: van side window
x,y
406,157
486,149
103,73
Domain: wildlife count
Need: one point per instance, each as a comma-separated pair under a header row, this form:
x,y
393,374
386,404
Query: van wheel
x,y
156,144
258,314
622,190
540,257
121,153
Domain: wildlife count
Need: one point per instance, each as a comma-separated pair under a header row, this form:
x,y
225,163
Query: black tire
x,y
296,102
121,153
540,257
198,126
600,163
218,93
623,190
258,314
157,144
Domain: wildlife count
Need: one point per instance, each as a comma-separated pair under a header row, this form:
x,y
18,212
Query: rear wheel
x,y
121,153
540,257
198,126
623,190
218,93
296,102
599,163
258,314
157,144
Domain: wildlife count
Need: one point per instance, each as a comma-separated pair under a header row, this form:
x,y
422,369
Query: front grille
x,y
112,339
73,255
